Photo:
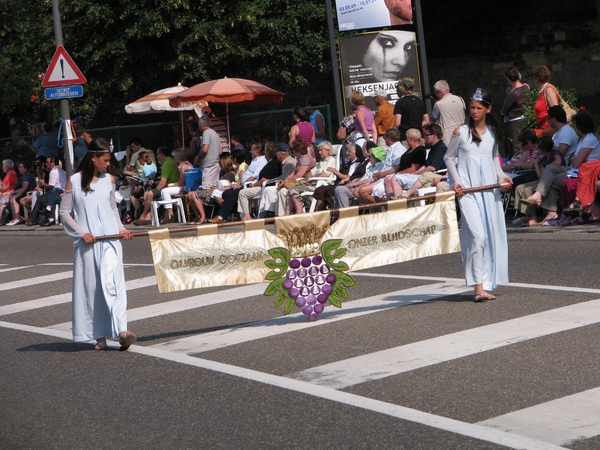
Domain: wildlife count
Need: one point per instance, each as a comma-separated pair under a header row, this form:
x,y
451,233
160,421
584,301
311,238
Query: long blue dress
x,y
483,227
99,295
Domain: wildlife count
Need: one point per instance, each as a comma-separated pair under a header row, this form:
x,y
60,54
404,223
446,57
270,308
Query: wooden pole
x,y
332,211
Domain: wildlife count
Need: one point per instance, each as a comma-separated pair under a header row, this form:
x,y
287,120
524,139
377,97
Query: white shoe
x,y
14,222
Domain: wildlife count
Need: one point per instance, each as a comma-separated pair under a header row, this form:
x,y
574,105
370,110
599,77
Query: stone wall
x,y
470,44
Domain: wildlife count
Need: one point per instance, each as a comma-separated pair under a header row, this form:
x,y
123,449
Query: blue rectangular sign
x,y
57,93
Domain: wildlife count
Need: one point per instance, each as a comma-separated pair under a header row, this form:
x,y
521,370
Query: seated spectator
x,y
241,164
565,138
353,168
43,213
521,167
149,170
275,197
202,196
344,195
133,162
171,189
7,186
391,164
294,203
396,184
230,196
279,163
24,183
169,175
410,162
41,175
548,154
550,186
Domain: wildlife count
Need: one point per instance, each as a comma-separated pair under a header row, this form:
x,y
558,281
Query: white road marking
x,y
400,412
386,363
294,322
58,299
35,280
10,269
559,421
185,304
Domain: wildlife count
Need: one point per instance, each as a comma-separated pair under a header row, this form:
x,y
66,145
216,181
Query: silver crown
x,y
478,95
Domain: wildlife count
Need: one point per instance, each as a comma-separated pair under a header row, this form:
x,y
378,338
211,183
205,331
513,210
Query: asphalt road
x,y
409,362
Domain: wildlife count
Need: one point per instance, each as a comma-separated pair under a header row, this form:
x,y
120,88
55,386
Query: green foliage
x,y
531,96
129,48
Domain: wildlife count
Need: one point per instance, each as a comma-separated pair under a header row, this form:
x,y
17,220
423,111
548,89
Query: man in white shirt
x,y
53,190
448,111
230,196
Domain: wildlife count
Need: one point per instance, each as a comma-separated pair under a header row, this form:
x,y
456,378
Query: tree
x,y
128,48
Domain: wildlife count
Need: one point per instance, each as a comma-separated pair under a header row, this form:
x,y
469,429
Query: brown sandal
x,y
483,297
127,340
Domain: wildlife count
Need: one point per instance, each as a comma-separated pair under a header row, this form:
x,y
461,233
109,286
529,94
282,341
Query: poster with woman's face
x,y
365,14
374,61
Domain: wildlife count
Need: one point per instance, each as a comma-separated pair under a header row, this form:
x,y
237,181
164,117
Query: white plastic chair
x,y
176,202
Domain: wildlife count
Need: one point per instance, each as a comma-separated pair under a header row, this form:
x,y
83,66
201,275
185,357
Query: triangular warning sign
x,y
62,70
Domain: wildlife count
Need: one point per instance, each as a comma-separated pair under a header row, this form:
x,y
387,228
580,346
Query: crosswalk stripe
x,y
386,363
559,421
475,431
184,304
35,280
58,299
10,269
294,322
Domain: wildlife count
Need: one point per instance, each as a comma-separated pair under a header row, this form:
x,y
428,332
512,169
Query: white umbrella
x,y
158,102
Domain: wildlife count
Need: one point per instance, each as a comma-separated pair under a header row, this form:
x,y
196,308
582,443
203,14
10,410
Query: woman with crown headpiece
x,y
483,228
89,210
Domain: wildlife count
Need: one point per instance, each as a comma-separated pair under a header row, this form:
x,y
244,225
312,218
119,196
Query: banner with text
x,y
371,240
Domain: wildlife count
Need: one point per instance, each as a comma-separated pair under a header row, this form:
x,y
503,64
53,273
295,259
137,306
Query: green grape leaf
x,y
272,264
289,306
279,300
335,300
340,265
345,279
281,253
274,287
274,275
340,291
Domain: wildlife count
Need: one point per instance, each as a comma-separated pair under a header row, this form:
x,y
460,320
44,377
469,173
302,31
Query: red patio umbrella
x,y
226,90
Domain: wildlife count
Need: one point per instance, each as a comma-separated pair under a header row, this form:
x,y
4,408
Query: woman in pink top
x,y
303,130
363,121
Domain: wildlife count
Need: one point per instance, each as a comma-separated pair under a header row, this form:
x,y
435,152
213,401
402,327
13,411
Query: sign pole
x,y
64,103
422,55
335,66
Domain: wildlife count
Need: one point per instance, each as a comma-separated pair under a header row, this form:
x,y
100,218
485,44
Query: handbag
x,y
568,110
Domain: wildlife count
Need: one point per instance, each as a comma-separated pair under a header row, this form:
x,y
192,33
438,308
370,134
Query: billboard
x,y
366,14
377,60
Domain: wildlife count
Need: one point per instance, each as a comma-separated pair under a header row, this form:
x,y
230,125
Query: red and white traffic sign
x,y
62,70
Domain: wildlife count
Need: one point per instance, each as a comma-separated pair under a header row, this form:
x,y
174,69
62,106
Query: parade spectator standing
x,y
303,130
99,294
410,111
80,146
364,121
132,156
168,175
218,126
547,98
24,183
346,131
512,109
47,143
384,116
483,230
237,145
317,121
449,110
208,154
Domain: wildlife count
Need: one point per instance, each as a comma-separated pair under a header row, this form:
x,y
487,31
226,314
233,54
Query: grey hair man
x,y
208,155
448,111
